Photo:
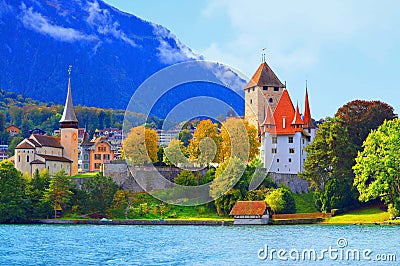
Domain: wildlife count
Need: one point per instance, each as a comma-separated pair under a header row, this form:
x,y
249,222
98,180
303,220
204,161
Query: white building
x,y
284,136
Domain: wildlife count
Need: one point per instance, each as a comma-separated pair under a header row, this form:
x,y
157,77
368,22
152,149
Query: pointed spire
x,y
308,123
269,119
297,122
69,118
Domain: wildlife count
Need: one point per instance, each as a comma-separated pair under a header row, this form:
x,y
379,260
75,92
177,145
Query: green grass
x,y
85,175
305,202
362,215
149,208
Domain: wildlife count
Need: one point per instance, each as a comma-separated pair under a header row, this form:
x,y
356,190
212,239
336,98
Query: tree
x,y
100,192
239,139
141,146
14,142
377,169
59,192
281,201
186,178
174,154
185,136
13,200
225,203
226,176
205,146
40,208
360,117
330,156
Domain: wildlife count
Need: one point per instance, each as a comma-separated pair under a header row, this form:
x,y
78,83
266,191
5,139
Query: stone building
x,y
52,153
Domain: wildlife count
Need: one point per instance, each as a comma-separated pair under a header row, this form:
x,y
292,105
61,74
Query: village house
x,y
13,130
250,213
95,153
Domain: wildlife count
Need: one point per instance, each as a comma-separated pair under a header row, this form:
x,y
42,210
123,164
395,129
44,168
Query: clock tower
x,y
69,130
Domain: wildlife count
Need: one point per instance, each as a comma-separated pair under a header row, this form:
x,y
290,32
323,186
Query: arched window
x,y
86,157
27,158
271,100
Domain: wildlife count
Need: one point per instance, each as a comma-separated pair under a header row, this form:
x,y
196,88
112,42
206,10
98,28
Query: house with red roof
x,y
250,213
284,131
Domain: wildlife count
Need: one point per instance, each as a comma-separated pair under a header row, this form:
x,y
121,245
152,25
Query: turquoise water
x,y
194,245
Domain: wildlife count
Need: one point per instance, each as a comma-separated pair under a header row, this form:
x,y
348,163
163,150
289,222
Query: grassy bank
x,y
365,215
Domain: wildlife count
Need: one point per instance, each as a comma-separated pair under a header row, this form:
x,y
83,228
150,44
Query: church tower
x,y
69,130
264,88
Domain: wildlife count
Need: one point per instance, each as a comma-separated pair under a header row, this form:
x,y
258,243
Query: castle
x,y
39,152
283,131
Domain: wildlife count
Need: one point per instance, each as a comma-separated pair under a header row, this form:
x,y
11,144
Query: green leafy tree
x,y
281,201
40,207
59,193
13,200
186,178
100,192
226,176
377,167
225,203
330,156
174,154
14,142
185,136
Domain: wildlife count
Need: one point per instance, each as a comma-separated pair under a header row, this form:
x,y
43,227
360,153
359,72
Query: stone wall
x,y
127,179
295,183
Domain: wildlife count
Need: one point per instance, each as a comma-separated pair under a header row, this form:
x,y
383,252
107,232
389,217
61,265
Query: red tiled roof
x,y
308,123
46,140
264,76
249,208
284,115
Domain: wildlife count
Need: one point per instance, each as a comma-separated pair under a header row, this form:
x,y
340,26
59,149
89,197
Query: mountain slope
x,y
112,52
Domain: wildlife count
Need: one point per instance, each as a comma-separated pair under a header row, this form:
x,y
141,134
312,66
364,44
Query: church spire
x,y
308,123
68,119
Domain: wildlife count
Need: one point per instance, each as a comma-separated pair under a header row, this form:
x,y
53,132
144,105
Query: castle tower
x,y
264,88
69,130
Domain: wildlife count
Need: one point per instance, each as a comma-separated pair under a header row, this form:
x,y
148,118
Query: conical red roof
x,y
297,122
284,115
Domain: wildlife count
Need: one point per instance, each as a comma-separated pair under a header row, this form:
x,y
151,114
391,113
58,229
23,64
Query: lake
x,y
199,245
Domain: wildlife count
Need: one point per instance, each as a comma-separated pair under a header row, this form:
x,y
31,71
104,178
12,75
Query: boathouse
x,y
250,213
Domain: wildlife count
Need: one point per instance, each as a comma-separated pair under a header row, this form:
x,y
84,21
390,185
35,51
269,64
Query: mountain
x,y
111,52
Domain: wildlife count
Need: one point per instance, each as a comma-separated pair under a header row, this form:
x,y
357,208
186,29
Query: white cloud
x,y
295,32
39,23
168,54
101,19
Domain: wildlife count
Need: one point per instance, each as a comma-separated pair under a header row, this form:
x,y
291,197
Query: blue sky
x,y
345,49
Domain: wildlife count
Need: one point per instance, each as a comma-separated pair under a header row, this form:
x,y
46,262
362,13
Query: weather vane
x,y
69,70
263,55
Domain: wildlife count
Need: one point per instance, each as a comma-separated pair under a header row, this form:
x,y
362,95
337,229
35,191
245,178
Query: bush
x,y
281,201
186,178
